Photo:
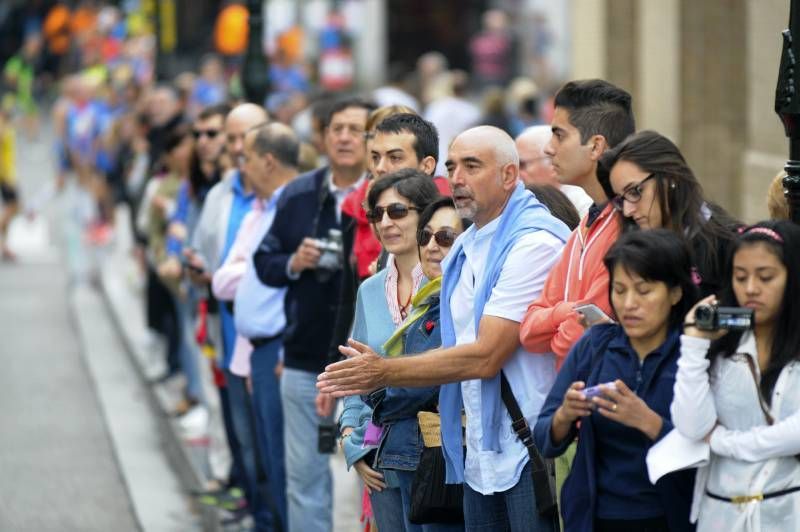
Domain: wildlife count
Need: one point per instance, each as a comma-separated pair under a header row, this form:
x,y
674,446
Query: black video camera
x,y
713,318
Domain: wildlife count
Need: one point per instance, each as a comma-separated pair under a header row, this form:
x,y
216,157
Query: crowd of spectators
x,y
498,302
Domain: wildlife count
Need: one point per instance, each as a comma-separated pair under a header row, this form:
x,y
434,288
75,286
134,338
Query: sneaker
x,y
194,422
231,499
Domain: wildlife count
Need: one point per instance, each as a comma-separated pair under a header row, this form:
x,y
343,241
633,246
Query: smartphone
x,y
593,314
595,391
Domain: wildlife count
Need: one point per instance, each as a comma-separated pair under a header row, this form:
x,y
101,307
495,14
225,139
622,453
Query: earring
x,y
672,185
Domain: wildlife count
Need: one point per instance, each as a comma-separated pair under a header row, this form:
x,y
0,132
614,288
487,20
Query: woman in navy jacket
x,y
608,487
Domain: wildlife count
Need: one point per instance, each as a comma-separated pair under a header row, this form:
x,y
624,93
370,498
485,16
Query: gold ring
x,y
614,407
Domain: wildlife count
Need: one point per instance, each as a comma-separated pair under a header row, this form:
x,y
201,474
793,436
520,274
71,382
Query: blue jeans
x,y
269,421
188,353
243,425
513,510
236,475
387,507
309,485
406,478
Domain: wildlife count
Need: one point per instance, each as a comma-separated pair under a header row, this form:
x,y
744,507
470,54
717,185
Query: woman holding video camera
x,y
383,302
652,186
739,390
614,391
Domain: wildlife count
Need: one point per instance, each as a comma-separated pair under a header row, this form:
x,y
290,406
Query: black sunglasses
x,y
443,237
394,210
210,133
632,195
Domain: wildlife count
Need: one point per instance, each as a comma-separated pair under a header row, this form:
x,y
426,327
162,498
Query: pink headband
x,y
766,231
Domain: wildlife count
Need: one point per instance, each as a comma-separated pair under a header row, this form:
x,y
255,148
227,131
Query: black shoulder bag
x,y
544,476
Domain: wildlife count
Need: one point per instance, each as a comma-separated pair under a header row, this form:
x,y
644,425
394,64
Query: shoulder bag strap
x,y
519,423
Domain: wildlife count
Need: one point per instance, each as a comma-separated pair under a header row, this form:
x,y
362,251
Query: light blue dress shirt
x,y
257,308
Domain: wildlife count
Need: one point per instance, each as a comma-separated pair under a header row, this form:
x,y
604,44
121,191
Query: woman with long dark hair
x,y
651,184
740,390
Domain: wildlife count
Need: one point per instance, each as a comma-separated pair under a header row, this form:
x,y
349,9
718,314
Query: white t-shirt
x,y
530,375
578,197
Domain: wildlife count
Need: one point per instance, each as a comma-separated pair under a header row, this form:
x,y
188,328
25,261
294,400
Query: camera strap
x,y
322,197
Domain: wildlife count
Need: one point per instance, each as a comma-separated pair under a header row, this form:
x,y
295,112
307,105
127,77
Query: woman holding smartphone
x,y
740,391
634,364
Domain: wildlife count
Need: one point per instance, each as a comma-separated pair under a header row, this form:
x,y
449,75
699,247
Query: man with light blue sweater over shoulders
x,y
493,271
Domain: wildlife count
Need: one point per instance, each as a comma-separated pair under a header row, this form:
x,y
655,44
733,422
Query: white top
x,y
578,197
341,193
748,456
530,375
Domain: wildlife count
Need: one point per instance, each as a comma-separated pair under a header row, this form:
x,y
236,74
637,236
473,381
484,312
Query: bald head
x,y
535,167
502,144
483,166
239,121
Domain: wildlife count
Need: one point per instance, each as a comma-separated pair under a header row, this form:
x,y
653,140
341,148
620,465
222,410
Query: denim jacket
x,y
396,408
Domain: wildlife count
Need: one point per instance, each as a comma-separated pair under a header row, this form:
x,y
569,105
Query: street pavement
x,y
87,443
81,447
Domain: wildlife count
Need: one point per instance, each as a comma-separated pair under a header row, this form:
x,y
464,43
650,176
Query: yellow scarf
x,y
419,306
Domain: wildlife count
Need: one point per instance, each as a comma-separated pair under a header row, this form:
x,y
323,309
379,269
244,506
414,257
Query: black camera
x,y
326,438
713,318
331,255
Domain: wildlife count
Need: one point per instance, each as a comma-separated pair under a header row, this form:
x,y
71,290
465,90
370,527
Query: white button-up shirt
x,y
748,456
530,375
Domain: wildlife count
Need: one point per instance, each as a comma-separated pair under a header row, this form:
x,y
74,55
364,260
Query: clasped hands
x,y
361,373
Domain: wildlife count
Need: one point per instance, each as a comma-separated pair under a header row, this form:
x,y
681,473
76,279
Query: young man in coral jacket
x,y
590,117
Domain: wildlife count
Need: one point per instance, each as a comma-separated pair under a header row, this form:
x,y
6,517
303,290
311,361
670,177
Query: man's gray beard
x,y
468,213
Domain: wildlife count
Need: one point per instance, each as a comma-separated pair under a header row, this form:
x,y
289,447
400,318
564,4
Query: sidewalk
x,y
81,447
123,286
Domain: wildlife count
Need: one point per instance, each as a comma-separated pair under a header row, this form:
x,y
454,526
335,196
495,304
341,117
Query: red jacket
x,y
579,277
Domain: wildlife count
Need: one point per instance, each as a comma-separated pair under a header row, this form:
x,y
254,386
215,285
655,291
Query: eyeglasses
x,y
631,195
443,237
210,133
395,211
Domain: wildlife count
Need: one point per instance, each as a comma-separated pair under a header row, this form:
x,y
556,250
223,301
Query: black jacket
x,y
306,209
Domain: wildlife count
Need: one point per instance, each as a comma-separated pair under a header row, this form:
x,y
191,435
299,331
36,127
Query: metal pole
x,y
787,105
255,70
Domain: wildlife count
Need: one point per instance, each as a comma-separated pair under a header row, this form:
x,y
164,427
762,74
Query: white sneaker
x,y
194,423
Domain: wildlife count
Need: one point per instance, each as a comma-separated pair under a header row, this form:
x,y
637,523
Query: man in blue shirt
x,y
226,205
270,161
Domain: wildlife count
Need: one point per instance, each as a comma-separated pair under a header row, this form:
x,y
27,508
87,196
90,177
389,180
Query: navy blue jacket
x,y
396,408
609,453
311,304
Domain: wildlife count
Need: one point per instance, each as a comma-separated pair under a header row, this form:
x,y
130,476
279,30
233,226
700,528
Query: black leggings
x,y
655,524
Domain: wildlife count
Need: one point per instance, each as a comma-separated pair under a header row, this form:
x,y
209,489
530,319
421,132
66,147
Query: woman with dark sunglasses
x,y
382,303
395,409
652,186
